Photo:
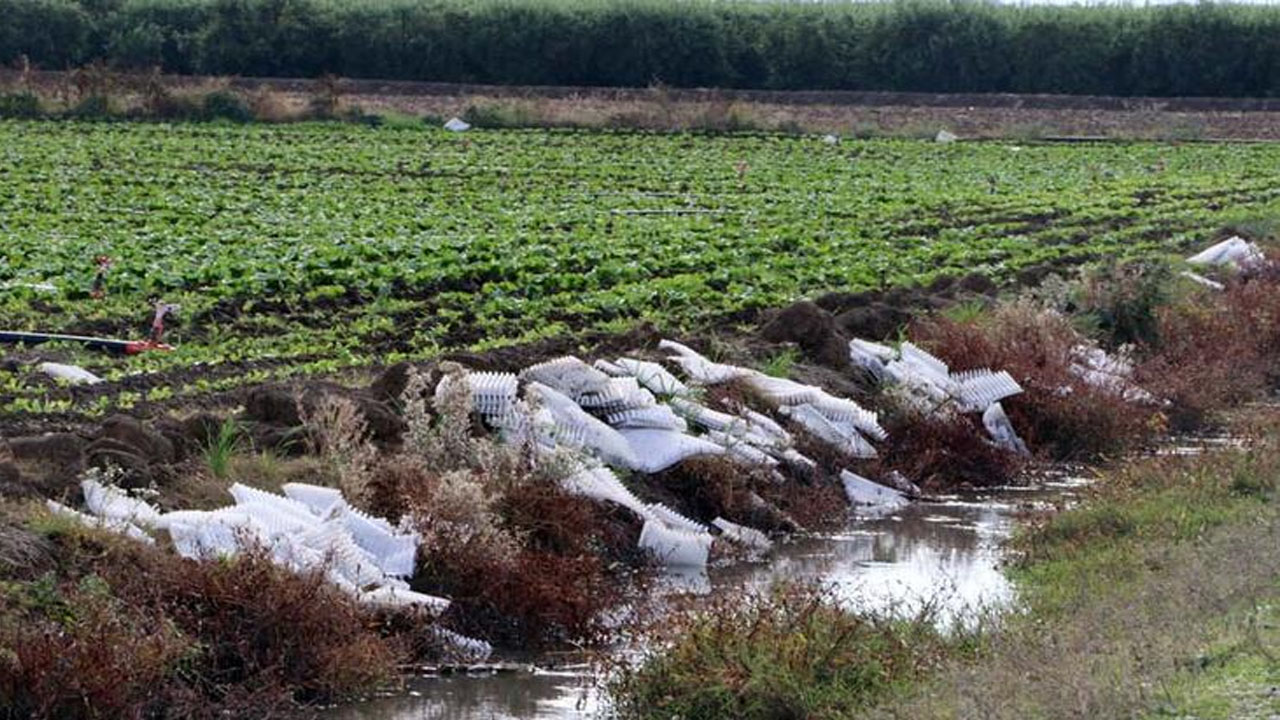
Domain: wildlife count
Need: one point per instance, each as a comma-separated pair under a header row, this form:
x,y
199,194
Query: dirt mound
x,y
390,385
814,330
144,441
282,408
47,465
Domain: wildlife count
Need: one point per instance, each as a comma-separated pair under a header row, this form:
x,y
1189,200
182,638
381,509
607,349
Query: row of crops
x,y
313,247
911,45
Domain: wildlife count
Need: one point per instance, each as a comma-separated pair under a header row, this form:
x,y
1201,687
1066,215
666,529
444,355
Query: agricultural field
x,y
307,249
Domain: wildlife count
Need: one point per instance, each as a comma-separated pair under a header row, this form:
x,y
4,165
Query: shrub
x,y
1216,350
122,629
1058,413
225,105
924,46
790,653
526,564
942,453
1122,301
499,116
92,107
20,105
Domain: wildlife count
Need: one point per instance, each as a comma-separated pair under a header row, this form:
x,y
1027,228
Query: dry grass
x,y
195,488
658,109
1216,350
340,434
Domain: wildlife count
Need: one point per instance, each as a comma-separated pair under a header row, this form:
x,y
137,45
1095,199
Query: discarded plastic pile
x,y
636,415
309,529
927,384
1234,253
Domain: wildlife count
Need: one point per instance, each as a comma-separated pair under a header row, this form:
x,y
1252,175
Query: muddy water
x,y
945,552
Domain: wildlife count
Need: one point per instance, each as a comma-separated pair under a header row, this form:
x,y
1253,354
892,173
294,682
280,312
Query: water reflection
x,y
944,552
541,695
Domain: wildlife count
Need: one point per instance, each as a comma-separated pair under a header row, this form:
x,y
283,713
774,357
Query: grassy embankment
x,y
1156,596
1153,596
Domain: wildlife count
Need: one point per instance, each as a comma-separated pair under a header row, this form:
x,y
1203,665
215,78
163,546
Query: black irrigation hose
x,y
118,347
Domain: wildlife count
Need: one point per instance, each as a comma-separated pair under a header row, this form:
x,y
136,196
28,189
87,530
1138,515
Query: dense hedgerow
x,y
1207,49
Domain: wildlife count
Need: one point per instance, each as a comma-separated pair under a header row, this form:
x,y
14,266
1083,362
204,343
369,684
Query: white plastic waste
x,y
841,410
321,501
842,436
660,417
1001,430
112,503
576,428
656,450
742,448
1202,280
869,362
122,527
699,369
1113,374
1234,251
782,391
390,598
675,547
743,535
68,373
492,394
980,388
461,648
600,483
673,519
768,427
569,376
616,395
862,491
457,125
945,136
653,376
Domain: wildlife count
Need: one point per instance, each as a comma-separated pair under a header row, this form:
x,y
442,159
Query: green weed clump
x,y
20,105
790,653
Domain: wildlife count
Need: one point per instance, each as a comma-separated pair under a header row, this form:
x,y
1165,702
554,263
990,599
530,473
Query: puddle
x,y
541,695
947,552
1200,445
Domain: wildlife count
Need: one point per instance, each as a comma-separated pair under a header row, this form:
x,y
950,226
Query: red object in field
x,y
137,347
